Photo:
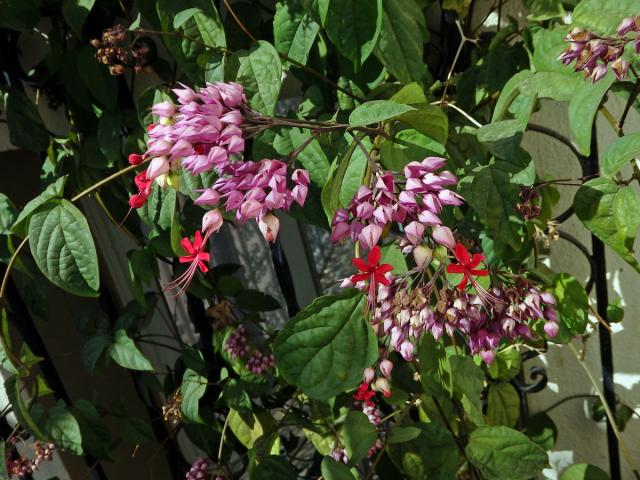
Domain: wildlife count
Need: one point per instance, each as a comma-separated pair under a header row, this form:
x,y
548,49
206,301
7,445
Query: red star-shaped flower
x,y
467,265
365,394
371,271
195,252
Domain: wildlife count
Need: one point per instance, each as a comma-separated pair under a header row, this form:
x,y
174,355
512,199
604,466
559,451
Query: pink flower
x,y
208,197
212,221
158,166
369,236
386,367
164,109
443,236
269,226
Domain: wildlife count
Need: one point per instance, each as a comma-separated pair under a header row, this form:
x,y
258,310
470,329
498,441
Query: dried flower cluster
x,y
23,467
114,50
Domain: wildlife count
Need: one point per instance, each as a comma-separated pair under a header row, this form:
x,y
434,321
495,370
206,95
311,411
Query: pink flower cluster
x,y
201,134
237,347
593,54
23,467
414,200
199,470
254,189
484,318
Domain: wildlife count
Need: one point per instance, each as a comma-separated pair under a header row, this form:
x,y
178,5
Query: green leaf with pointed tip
x,y
63,248
572,307
324,349
504,405
53,190
359,435
332,470
467,381
125,353
260,72
619,153
63,429
584,471
583,108
377,111
501,452
353,26
331,198
250,427
294,32
192,390
611,213
13,388
429,120
541,429
402,36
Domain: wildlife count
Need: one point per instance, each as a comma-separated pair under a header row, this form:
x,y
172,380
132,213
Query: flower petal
x,y
462,254
374,256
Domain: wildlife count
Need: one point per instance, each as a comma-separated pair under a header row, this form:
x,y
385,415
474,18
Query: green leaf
x,y
429,120
555,85
583,107
331,191
256,301
260,71
63,429
541,429
619,153
201,22
353,26
125,353
13,388
249,427
8,214
492,194
294,31
504,405
20,14
359,435
584,471
274,467
434,368
332,470
94,348
404,434
408,146
312,158
53,190
235,396
572,306
136,430
401,41
392,255
376,111
611,213
501,452
467,380
540,10
355,172
603,16
26,129
96,439
75,13
324,349
192,390
63,248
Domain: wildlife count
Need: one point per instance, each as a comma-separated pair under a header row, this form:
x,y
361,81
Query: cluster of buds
x,y
254,189
339,455
527,206
414,200
593,54
199,470
22,467
260,362
237,347
113,50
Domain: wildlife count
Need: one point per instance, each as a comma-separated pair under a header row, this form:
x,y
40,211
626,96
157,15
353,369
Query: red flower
x,y
371,271
467,265
195,252
364,394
